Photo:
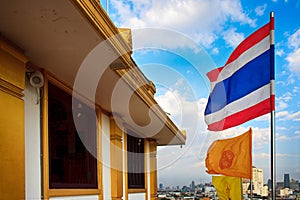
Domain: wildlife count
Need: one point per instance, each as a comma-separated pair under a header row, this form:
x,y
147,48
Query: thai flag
x,y
242,90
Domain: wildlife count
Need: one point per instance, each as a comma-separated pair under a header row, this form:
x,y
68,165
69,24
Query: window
x,y
135,156
71,164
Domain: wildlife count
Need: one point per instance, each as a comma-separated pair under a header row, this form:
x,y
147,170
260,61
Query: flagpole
x,y
107,6
272,76
251,189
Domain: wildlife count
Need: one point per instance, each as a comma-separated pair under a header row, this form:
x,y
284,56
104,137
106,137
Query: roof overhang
x,y
59,36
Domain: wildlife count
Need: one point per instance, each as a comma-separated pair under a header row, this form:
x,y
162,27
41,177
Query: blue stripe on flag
x,y
272,63
249,78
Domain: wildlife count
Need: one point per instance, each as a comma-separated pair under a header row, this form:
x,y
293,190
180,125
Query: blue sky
x,y
191,37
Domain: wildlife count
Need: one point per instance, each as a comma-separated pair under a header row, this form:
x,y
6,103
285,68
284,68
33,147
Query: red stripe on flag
x,y
250,41
257,110
213,75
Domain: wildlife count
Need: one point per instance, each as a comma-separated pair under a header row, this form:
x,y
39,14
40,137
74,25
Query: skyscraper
x,y
257,180
286,180
161,186
193,186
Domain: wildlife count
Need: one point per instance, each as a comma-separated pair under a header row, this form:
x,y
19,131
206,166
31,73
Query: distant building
x,y
286,181
269,184
161,186
246,186
285,193
265,191
257,181
193,186
185,188
258,187
294,185
280,185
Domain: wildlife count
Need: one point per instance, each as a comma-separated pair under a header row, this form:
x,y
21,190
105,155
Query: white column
x,y
32,143
106,157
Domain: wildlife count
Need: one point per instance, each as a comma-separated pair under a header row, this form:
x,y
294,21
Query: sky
x,y
176,42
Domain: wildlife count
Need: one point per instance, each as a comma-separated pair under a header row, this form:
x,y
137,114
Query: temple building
x,y
78,118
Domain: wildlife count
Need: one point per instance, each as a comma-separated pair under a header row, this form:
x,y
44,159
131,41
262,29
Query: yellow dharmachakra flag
x,y
231,157
228,187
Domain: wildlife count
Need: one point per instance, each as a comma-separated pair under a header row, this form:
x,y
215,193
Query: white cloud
x,y
281,105
293,58
279,46
286,97
261,156
294,40
296,90
233,38
281,128
285,115
287,155
200,20
288,137
279,52
215,51
290,80
294,61
282,114
260,10
294,116
282,101
283,137
187,114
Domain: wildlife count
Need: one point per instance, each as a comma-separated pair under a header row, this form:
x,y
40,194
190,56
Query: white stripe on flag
x,y
243,59
247,101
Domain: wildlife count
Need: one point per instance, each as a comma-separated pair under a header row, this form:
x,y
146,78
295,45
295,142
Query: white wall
x,y
147,157
87,197
124,166
32,144
137,196
105,122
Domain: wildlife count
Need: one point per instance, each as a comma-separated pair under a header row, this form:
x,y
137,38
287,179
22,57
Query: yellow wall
x,y
12,144
153,170
12,184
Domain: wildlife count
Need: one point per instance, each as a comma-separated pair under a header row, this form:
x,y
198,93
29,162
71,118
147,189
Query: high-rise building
x,y
269,184
193,186
161,186
257,181
286,181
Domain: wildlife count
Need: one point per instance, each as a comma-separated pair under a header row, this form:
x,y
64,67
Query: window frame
x,y
142,189
47,192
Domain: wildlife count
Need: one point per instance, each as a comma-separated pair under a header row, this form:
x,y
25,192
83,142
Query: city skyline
x,y
191,41
163,186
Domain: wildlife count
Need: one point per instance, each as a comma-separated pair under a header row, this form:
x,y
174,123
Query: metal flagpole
x,y
251,189
272,74
107,6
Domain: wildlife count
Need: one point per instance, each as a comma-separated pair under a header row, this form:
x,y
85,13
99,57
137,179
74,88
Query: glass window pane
x,y
71,164
136,168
